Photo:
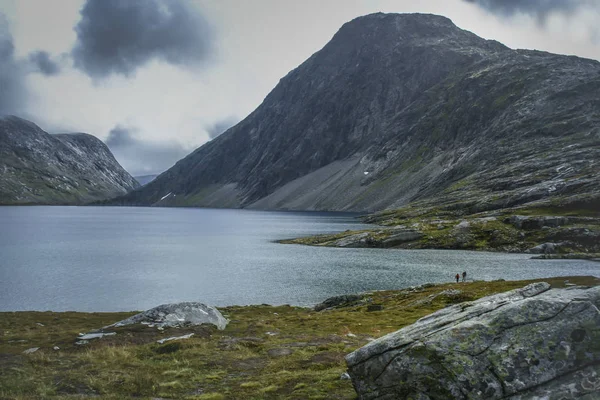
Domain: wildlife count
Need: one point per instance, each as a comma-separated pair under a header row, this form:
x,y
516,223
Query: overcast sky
x,y
156,79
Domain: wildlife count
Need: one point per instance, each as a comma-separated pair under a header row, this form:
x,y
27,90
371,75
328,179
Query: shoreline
x,y
542,236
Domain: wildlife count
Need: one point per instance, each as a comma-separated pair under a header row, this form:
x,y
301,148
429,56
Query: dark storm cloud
x,y
41,62
118,36
13,91
538,8
141,157
220,126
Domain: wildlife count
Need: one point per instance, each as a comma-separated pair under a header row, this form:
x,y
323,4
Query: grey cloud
x,y
538,8
221,126
42,62
117,37
141,157
13,90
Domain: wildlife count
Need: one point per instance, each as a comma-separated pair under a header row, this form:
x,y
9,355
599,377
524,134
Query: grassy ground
x,y
265,352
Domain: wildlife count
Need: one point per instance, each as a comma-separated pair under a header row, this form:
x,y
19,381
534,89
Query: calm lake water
x,y
116,259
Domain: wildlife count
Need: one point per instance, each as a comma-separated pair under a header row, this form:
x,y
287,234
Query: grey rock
x,y
339,301
463,225
529,343
95,335
39,168
31,350
177,314
358,240
81,342
526,222
544,248
161,341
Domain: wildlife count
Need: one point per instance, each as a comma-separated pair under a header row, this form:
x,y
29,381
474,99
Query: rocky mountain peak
x,y
398,108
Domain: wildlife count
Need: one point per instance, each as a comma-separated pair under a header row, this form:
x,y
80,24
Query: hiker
x,y
457,277
464,276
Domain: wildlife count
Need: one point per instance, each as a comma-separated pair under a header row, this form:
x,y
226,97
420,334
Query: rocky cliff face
x,y
39,168
399,108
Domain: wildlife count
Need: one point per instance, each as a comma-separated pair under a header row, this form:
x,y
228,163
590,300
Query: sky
x,y
156,79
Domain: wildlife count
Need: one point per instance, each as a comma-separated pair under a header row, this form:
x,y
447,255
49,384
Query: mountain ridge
x,y
398,108
40,168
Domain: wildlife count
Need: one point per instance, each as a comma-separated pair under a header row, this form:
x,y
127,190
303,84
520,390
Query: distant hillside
x,y
145,179
39,168
398,108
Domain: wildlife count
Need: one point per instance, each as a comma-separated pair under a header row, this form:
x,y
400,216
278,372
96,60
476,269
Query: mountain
x,y
145,179
398,108
39,168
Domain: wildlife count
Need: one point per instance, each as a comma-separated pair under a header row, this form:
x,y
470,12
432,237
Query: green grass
x,y
231,364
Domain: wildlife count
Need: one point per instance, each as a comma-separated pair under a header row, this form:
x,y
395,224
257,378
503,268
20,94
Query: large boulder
x,y
177,314
529,343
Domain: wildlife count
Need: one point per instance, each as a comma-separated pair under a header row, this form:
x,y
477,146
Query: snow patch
x,y
165,196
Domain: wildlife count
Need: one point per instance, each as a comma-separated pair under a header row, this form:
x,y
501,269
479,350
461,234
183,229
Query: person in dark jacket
x,y
457,277
464,276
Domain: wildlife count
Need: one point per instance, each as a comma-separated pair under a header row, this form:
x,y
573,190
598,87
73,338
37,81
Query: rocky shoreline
x,y
546,235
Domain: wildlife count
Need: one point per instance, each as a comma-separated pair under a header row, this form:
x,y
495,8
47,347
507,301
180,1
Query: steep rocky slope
x,y
39,168
398,108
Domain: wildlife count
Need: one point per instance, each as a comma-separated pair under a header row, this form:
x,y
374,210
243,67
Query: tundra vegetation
x,y
265,351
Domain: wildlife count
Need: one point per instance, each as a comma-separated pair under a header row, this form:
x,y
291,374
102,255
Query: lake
x,y
118,259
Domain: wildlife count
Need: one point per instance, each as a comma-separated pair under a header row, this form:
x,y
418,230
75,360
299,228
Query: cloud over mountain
x,y
13,91
42,62
118,37
540,8
221,126
142,157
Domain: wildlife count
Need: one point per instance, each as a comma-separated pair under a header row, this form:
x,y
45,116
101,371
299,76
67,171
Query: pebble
x,y
161,341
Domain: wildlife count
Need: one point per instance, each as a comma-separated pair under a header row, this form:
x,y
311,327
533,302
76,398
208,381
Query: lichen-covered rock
x,y
528,343
177,314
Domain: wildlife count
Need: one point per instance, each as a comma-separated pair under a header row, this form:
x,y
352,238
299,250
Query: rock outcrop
x,y
177,314
39,168
345,300
553,235
399,108
528,343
